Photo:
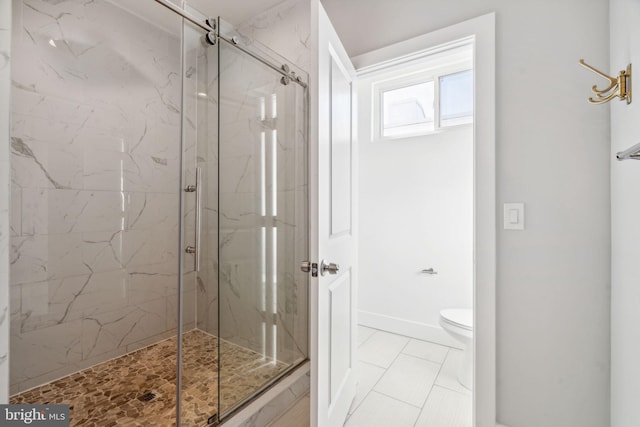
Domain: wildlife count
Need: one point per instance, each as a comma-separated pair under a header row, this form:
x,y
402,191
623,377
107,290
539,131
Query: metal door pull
x,y
195,249
429,271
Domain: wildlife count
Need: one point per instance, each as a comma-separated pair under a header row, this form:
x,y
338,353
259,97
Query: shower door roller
x,y
331,268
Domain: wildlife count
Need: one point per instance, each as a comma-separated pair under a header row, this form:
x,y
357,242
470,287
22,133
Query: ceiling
x,y
366,25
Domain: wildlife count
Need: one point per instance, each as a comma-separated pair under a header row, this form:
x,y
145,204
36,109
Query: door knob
x,y
331,267
305,266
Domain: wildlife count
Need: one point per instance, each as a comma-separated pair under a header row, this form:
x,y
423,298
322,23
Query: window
x,y
423,102
456,99
408,110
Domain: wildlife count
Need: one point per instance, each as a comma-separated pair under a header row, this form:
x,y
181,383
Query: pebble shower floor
x,y
139,389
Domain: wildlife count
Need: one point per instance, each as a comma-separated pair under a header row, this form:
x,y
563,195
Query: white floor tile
x,y
364,334
381,348
446,408
368,376
378,410
448,376
426,350
409,379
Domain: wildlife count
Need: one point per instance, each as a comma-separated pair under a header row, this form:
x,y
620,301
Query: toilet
x,y
458,322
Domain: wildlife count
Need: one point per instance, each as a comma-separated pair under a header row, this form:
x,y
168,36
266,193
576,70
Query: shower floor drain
x,y
147,397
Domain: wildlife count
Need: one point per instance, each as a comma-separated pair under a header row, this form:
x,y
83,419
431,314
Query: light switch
x,y
514,216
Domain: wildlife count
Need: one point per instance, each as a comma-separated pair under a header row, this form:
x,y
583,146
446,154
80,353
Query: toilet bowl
x,y
458,323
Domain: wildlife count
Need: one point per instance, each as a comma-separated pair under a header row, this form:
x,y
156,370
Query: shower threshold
x,y
139,388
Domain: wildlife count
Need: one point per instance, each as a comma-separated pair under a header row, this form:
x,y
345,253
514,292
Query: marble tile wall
x,y
5,191
95,149
284,29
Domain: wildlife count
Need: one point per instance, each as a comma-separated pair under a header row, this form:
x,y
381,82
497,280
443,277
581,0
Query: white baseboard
x,y
409,328
500,425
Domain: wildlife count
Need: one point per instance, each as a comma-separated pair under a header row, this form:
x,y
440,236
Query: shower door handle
x,y
195,249
196,262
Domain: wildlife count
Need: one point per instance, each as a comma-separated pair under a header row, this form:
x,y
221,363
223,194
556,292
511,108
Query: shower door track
x,y
274,67
282,69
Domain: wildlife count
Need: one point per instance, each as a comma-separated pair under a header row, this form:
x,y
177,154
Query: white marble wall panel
x,y
55,302
43,351
151,282
5,193
42,257
50,211
285,29
102,251
95,149
104,332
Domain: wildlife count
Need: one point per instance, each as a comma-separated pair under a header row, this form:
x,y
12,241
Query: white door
x,y
333,222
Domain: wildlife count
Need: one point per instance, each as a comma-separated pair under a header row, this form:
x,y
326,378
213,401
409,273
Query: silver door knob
x,y
331,268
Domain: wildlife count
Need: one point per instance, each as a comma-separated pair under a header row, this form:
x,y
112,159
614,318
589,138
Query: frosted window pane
x,y
456,98
408,110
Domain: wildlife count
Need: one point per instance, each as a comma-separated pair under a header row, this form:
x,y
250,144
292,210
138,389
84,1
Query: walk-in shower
x,y
158,213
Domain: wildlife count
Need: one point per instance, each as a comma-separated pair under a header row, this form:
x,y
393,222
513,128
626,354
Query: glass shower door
x,y
245,208
262,225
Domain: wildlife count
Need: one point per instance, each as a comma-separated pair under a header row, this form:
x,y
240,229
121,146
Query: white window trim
x,y
428,74
429,67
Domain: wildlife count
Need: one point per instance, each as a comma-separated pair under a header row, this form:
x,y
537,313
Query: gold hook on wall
x,y
620,86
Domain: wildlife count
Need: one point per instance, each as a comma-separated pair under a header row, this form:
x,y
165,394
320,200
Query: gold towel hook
x,y
618,86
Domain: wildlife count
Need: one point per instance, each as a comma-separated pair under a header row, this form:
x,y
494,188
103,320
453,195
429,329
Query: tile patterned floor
x,y
406,382
403,382
108,394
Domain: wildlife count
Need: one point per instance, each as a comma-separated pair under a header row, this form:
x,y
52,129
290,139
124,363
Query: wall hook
x,y
629,153
618,86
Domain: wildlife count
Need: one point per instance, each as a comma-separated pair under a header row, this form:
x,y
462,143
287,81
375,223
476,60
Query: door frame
x,y
482,30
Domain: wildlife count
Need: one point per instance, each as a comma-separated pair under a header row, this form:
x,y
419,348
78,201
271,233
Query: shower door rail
x,y
212,30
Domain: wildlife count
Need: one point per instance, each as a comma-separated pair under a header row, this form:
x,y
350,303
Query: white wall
x,y
5,82
625,235
416,212
553,154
